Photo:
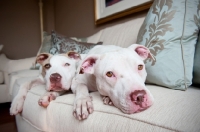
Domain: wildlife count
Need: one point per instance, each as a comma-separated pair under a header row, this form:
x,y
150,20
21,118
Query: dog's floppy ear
x,y
88,63
42,57
74,55
142,51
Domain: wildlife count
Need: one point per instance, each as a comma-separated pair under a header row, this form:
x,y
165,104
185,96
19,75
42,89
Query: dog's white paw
x,y
17,105
46,99
107,101
83,107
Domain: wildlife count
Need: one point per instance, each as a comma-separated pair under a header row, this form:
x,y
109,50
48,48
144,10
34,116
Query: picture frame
x,y
105,11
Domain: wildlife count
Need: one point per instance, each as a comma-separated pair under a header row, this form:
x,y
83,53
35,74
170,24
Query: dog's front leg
x,y
45,100
83,102
18,101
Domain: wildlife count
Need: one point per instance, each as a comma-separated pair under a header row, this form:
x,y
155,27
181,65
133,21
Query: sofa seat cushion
x,y
32,113
21,74
173,110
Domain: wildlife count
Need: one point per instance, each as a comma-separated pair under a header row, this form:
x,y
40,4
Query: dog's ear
x,y
88,63
142,51
42,57
74,55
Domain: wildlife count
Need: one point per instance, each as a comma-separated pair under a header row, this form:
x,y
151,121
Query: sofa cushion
x,y
1,78
62,44
32,112
170,31
3,62
123,34
173,110
26,75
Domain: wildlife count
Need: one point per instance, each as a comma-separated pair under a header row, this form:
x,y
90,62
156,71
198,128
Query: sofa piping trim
x,y
32,124
108,113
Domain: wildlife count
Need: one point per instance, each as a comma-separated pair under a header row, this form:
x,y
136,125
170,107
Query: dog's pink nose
x,y
55,77
138,97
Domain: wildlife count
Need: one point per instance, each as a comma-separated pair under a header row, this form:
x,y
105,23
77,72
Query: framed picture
x,y
106,10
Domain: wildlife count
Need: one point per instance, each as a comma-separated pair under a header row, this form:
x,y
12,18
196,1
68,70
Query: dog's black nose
x,y
138,96
55,77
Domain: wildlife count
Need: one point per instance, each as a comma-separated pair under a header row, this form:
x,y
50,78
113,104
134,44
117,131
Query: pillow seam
x,y
182,48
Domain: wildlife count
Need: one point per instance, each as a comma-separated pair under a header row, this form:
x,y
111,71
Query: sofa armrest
x,y
18,65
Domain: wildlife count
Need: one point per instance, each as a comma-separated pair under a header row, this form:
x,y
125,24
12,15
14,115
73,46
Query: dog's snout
x,y
138,96
55,77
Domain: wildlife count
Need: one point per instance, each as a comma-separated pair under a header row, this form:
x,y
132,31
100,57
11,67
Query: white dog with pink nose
x,y
57,73
118,74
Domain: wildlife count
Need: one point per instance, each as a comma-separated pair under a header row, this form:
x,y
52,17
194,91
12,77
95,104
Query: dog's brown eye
x,y
109,74
140,67
67,64
47,66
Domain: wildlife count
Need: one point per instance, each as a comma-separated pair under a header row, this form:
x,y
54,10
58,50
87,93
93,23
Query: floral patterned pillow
x,y
62,44
170,31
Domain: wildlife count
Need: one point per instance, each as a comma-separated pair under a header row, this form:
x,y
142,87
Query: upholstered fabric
x,y
170,32
123,34
173,110
61,44
3,62
24,126
24,74
21,64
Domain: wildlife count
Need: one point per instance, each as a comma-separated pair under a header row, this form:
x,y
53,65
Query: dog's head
x,y
121,75
58,70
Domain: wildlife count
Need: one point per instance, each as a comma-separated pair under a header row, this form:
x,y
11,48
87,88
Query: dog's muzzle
x,y
55,78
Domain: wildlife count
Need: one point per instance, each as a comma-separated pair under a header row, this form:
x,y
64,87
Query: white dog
x,y
118,74
57,73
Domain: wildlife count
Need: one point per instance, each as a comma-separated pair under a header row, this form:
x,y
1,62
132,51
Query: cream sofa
x,y
8,68
173,110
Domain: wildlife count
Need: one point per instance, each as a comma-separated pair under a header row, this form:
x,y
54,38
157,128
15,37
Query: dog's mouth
x,y
130,110
135,104
56,87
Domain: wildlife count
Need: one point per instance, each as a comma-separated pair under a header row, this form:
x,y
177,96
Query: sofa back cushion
x,y
170,31
123,34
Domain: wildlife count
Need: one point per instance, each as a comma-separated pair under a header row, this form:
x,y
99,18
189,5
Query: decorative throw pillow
x,y
170,31
196,71
62,44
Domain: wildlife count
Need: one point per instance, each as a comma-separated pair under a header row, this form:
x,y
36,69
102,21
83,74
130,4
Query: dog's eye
x,y
47,66
140,67
67,64
109,74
